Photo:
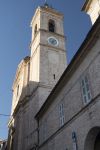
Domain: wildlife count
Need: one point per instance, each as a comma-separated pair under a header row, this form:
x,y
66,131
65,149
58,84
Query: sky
x,y
15,37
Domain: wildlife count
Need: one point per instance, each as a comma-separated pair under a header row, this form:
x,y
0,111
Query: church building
x,y
56,106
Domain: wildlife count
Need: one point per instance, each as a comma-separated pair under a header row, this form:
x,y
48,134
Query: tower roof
x,y
49,8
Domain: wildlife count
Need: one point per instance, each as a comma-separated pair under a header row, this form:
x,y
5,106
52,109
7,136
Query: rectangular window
x,y
86,93
61,114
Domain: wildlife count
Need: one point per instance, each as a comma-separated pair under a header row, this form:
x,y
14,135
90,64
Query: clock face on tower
x,y
53,41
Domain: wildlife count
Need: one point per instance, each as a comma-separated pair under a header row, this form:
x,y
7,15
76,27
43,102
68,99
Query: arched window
x,y
51,26
35,30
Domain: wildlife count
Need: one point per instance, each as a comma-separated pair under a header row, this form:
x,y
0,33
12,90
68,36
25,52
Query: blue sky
x,y
15,37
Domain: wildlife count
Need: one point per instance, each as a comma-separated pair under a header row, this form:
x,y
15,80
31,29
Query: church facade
x,y
55,106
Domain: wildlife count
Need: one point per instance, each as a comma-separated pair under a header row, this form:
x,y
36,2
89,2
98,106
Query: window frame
x,y
86,89
61,114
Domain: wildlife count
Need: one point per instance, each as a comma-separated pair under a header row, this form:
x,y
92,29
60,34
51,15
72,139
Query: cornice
x,y
86,5
53,33
51,10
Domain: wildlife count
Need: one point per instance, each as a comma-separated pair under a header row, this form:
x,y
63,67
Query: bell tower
x,y
36,76
48,54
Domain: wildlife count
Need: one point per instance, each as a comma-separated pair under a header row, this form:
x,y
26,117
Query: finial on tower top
x,y
46,4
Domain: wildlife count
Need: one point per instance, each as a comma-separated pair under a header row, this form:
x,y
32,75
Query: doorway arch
x,y
92,141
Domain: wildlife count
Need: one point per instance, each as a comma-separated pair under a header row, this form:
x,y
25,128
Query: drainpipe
x,y
37,134
74,139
